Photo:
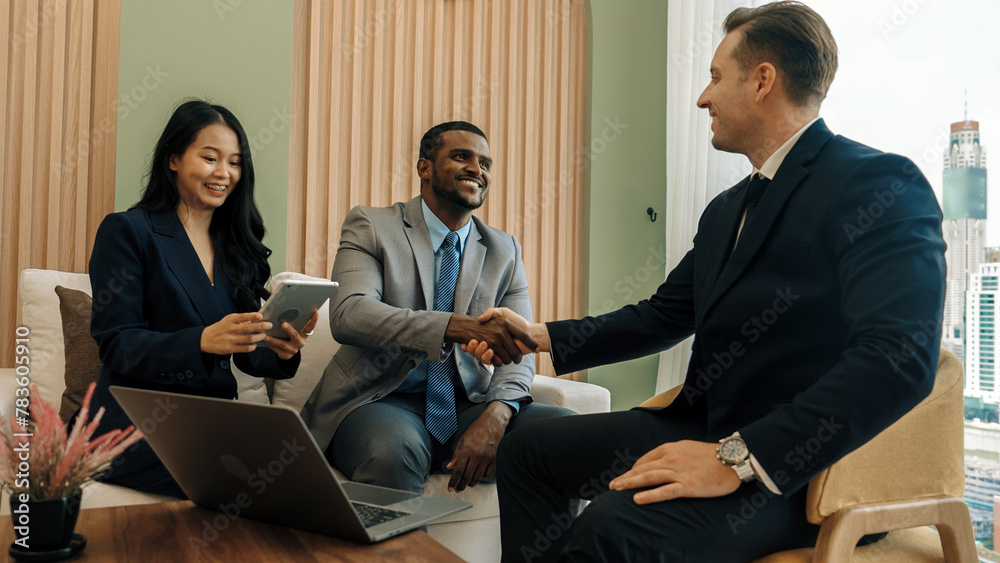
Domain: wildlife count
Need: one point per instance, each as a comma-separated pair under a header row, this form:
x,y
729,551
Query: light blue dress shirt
x,y
416,381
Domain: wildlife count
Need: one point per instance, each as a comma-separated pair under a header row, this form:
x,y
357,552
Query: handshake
x,y
498,337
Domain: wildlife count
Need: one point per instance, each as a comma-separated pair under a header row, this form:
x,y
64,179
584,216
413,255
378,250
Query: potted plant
x,y
45,469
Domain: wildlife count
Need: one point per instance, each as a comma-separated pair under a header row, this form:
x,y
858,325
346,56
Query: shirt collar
x,y
773,162
438,230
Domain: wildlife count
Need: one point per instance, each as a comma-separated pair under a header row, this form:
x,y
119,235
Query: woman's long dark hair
x,y
237,229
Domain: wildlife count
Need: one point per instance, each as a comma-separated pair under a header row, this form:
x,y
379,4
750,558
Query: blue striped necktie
x,y
440,416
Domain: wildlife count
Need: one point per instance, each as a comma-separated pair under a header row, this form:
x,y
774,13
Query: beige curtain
x,y
370,76
59,73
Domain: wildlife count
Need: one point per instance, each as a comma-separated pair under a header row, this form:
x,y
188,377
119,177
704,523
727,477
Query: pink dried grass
x,y
59,464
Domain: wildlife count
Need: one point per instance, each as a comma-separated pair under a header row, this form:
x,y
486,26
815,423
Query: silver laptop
x,y
260,461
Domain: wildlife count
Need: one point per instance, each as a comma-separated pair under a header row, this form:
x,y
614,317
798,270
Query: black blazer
x,y
818,331
152,300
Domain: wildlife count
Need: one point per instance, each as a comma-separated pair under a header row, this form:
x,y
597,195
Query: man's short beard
x,y
454,197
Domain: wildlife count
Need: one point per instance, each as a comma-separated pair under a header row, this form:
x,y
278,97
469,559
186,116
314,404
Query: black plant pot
x,y
43,529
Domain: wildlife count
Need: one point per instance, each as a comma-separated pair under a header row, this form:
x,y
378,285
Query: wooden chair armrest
x,y
840,532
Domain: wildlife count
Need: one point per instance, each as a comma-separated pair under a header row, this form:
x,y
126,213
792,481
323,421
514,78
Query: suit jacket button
x,y
411,364
224,364
171,377
189,374
377,396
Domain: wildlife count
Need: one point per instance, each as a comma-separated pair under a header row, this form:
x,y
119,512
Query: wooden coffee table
x,y
174,531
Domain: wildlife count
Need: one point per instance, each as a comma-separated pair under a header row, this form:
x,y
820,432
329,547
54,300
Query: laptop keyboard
x,y
375,515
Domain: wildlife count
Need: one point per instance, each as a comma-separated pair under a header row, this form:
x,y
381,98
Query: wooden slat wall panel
x,y
370,76
59,73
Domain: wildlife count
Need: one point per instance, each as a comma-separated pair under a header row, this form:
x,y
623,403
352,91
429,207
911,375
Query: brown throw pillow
x,y
83,363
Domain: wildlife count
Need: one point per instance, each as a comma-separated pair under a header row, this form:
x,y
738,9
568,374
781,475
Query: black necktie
x,y
755,191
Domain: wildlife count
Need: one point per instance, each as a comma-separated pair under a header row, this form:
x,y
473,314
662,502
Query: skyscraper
x,y
980,334
964,227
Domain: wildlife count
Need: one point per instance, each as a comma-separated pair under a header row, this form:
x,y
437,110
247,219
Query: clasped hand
x,y
241,332
506,340
681,469
487,353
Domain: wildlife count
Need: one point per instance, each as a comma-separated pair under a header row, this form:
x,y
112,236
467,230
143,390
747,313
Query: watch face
x,y
733,450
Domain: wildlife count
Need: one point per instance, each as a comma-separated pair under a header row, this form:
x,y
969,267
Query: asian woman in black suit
x,y
178,280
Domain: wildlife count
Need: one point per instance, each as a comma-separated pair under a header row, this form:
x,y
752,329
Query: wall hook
x,y
651,213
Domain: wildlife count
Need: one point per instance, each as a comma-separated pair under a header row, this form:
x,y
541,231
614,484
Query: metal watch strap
x,y
744,471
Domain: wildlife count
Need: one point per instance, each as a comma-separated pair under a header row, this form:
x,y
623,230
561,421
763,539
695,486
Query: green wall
x,y
238,54
232,52
623,249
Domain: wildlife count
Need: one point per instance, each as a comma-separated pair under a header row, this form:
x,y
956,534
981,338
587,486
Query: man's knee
x,y
393,459
400,471
394,448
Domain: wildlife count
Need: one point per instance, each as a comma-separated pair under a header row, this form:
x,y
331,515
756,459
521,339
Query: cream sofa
x,y
473,534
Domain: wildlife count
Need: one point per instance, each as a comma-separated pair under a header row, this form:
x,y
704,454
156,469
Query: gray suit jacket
x,y
380,316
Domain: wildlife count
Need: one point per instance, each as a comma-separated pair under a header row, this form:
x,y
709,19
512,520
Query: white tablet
x,y
294,302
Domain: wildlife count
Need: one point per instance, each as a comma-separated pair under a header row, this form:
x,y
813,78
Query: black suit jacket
x,y
152,300
818,330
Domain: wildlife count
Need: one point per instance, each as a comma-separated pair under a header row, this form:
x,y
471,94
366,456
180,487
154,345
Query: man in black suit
x,y
815,299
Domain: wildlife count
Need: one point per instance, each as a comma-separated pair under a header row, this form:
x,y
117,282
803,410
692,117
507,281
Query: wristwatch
x,y
733,451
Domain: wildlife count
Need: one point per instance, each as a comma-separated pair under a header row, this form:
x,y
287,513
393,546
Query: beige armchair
x,y
910,476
